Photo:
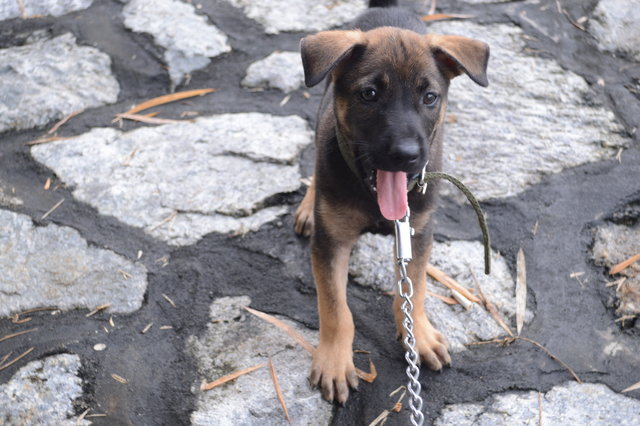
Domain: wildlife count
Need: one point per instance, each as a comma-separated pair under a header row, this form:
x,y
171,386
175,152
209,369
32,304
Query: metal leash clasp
x,y
403,233
422,183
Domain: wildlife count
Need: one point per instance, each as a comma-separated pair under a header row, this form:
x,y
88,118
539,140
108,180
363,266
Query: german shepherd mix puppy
x,y
379,124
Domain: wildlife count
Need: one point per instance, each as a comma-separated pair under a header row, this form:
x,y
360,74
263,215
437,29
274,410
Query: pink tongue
x,y
392,194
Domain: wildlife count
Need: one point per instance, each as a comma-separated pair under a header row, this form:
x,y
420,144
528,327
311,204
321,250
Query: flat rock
x,y
10,8
613,244
372,265
236,340
54,266
614,23
189,39
533,120
42,392
280,70
50,78
181,181
568,404
300,15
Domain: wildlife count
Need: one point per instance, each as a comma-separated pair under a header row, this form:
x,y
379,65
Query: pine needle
x,y
632,387
16,359
444,17
368,377
624,265
229,377
276,385
147,119
165,99
450,283
284,327
19,333
521,290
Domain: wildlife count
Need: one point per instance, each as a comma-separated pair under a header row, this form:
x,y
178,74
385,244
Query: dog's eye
x,y
369,94
430,99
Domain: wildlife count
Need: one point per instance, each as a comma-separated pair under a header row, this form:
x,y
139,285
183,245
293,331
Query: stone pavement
x,y
129,250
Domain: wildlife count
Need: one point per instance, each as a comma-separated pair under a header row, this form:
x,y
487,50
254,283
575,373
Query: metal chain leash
x,y
403,234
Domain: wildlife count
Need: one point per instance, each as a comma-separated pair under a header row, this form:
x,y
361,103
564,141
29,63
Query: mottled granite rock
x,y
181,181
280,70
236,340
54,266
567,404
614,23
372,265
11,8
50,78
42,393
300,15
533,120
189,38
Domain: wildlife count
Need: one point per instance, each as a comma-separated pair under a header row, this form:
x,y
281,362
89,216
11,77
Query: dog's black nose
x,y
405,152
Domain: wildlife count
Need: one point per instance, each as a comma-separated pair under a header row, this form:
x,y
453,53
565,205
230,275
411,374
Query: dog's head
x,y
390,92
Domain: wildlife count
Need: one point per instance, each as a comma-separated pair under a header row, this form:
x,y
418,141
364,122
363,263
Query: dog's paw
x,y
430,344
303,221
333,371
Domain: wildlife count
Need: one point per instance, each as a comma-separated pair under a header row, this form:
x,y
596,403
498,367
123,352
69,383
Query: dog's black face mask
x,y
390,92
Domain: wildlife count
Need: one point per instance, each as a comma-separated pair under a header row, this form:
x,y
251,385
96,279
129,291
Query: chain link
x,y
403,256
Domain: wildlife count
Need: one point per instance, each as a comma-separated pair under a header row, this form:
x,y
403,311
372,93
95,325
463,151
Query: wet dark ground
x,y
571,318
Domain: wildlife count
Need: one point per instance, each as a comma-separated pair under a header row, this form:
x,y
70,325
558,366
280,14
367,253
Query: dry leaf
x,y
284,327
120,379
450,283
229,377
160,100
276,385
368,377
521,290
632,387
624,265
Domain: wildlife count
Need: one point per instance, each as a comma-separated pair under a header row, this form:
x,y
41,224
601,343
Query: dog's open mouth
x,y
391,190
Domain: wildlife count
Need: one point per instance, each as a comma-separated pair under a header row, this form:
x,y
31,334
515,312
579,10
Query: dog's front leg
x,y
430,344
332,368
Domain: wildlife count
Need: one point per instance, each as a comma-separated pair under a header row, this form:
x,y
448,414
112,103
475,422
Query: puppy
x,y
379,124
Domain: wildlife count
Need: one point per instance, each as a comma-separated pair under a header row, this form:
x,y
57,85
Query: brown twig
x,y
160,100
445,299
47,140
276,385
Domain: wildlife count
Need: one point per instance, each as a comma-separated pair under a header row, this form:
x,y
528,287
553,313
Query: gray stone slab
x,y
280,70
42,393
612,245
300,15
8,198
181,181
49,79
533,120
10,8
567,404
236,340
189,38
54,266
614,23
372,265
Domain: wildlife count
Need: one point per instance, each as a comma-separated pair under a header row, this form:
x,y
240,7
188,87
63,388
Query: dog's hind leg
x,y
303,220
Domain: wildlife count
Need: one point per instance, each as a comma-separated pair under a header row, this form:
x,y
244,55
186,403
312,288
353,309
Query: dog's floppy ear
x,y
457,54
323,51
